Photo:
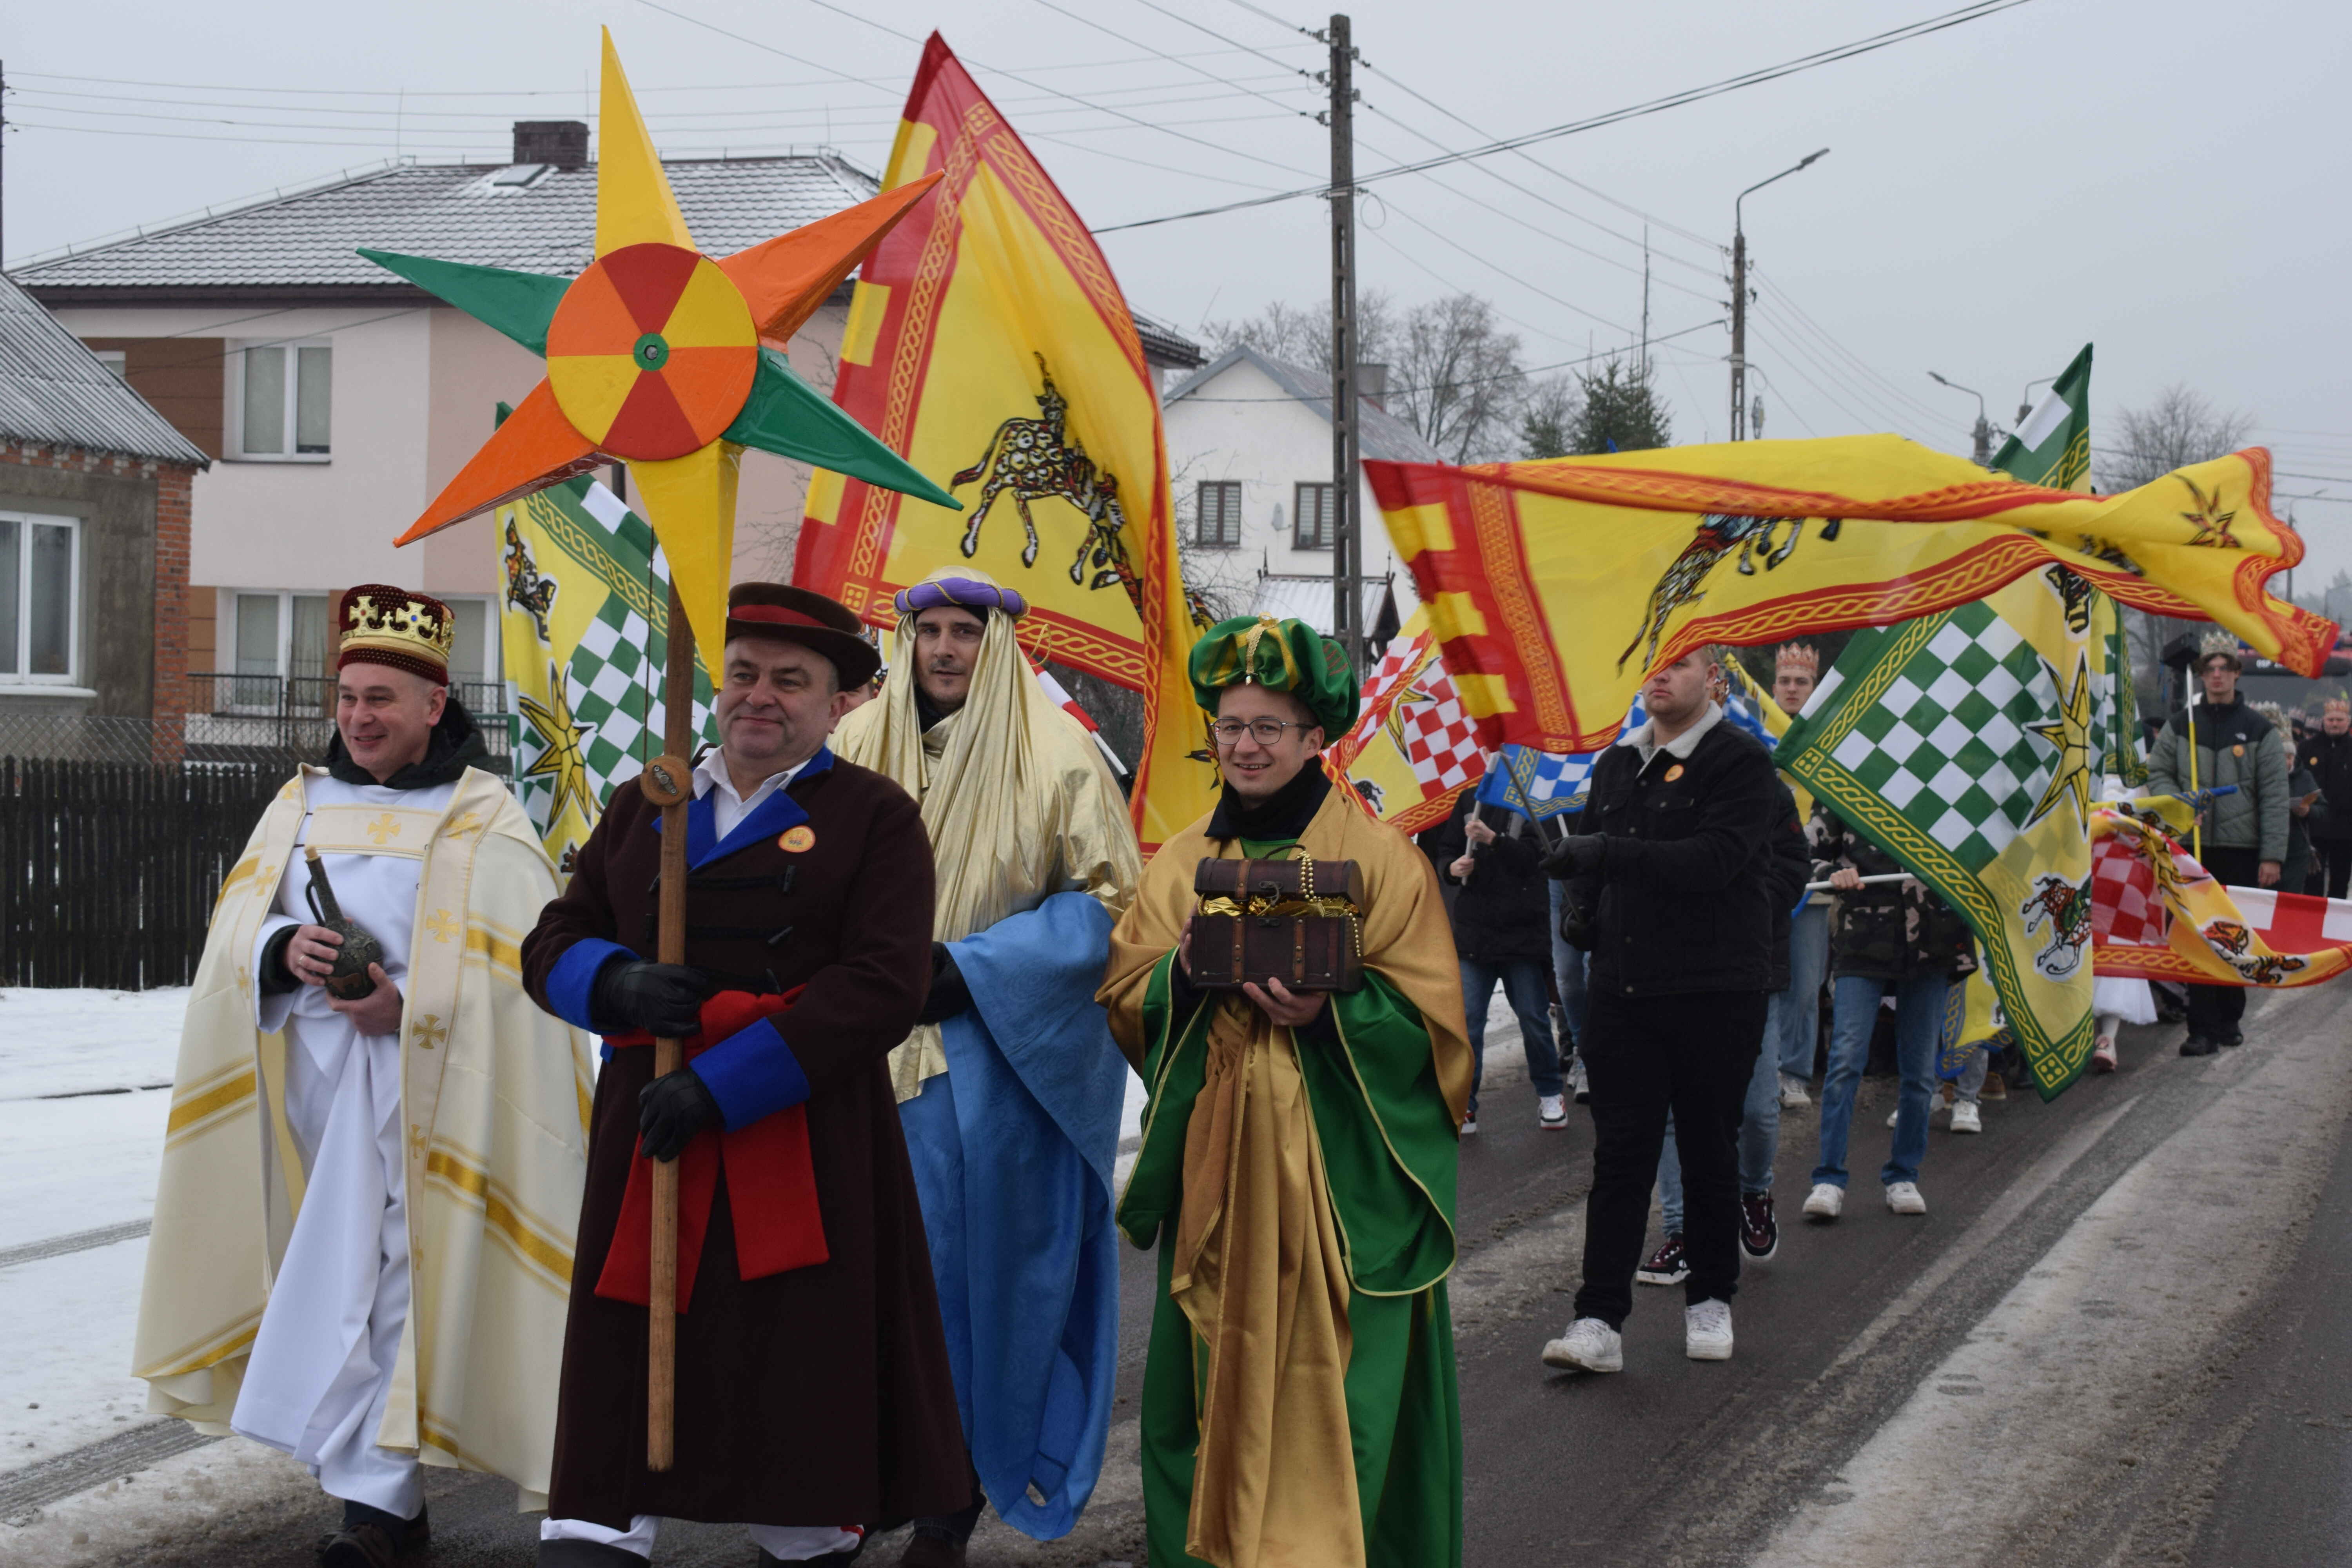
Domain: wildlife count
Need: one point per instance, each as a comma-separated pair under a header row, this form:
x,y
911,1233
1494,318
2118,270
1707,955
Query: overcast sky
x,y
2165,179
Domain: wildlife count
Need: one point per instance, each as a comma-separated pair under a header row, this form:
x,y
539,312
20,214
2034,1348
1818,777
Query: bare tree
x,y
2179,428
1453,374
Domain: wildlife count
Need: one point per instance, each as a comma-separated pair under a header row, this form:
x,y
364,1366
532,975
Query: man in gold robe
x,y
1297,1167
364,1228
1010,1087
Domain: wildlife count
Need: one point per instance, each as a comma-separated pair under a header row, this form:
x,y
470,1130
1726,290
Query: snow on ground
x,y
70,1165
222,1491
69,1042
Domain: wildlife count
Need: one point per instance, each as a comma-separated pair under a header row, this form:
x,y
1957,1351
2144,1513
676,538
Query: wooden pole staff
x,y
669,1056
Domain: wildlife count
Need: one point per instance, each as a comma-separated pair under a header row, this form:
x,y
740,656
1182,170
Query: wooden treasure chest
x,y
1299,922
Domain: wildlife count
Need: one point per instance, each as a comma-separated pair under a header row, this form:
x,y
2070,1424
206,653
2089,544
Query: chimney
x,y
563,142
1372,383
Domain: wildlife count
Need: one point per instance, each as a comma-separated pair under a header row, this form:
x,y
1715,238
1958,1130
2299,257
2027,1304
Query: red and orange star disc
x,y
652,351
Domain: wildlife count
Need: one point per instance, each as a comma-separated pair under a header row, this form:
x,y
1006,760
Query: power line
x,y
1451,243
1756,78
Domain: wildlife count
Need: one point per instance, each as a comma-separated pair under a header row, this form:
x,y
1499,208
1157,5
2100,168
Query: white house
x,y
1249,453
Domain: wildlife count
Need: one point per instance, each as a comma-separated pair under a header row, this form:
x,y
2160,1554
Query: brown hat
x,y
379,624
781,611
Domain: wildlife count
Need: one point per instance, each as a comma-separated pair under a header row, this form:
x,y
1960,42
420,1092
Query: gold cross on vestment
x,y
429,1031
464,825
443,925
384,828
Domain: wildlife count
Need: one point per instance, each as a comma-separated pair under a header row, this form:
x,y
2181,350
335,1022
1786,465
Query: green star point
x,y
518,304
786,415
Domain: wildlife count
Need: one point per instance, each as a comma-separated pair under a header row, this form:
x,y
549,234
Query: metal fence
x,y
241,718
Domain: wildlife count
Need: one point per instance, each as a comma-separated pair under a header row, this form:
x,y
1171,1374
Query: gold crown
x,y
386,625
2215,642
2339,703
1797,656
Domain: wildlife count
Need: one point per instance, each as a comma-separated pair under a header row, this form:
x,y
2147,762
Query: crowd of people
x,y
899,925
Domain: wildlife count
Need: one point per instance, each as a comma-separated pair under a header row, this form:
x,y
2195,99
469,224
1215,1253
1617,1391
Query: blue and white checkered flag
x,y
1541,785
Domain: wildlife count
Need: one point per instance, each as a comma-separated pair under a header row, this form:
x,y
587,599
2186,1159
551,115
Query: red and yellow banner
x,y
988,345
1413,748
2157,914
1554,587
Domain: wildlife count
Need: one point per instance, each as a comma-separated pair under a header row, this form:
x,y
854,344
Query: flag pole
x,y
669,1056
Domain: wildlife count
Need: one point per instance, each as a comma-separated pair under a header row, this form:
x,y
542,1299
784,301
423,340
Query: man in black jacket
x,y
1502,934
1671,889
2328,756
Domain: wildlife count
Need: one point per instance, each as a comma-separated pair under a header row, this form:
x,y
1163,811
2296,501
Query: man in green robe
x,y
1297,1167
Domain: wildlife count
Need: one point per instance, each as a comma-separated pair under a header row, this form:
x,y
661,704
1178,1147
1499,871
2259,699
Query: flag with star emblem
x,y
584,620
1966,745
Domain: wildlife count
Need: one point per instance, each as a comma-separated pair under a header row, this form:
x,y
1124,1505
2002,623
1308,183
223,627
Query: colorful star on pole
x,y
654,357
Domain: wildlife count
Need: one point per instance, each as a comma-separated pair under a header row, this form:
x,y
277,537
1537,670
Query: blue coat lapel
x,y
773,816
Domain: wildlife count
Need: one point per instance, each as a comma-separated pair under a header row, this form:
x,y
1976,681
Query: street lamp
x,y
1984,425
2025,398
1740,296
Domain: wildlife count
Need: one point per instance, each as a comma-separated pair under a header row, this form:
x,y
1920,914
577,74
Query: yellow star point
x,y
2069,732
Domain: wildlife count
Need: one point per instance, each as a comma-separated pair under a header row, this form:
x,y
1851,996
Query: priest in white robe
x,y
362,1256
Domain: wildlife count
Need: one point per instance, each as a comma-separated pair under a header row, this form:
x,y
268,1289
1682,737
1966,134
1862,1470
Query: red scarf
x,y
770,1182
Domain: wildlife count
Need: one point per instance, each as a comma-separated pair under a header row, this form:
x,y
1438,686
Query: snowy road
x,y
2123,1334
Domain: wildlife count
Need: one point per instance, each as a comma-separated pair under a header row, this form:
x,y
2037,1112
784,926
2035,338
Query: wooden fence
x,y
109,871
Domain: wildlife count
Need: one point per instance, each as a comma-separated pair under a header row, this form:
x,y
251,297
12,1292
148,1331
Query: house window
x,y
1318,519
40,591
283,659
284,401
116,361
1220,526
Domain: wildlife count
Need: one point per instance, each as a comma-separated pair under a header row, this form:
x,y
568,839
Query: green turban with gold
x,y
1281,656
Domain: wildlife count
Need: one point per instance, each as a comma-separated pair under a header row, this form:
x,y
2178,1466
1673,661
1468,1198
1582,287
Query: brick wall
x,y
167,632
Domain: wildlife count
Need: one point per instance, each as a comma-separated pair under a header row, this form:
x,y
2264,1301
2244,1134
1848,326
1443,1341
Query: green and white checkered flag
x,y
585,621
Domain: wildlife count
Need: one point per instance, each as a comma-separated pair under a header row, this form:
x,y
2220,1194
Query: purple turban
x,y
959,594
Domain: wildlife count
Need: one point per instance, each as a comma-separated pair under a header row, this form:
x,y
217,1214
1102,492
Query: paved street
x,y
2123,1334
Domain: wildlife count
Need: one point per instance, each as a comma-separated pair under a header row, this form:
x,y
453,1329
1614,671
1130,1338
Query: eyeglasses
x,y
1265,731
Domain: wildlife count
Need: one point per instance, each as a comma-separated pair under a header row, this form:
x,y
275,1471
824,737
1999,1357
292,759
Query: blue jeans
x,y
1569,966
1523,988
1793,1028
1918,1025
1760,1141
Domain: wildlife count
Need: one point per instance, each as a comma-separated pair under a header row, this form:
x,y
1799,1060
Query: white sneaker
x,y
1551,1112
1469,1125
1707,1331
1793,1093
1589,1345
1966,1117
1578,1086
1904,1197
1824,1202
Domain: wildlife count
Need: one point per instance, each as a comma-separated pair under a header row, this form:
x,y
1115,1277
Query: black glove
x,y
949,995
664,999
1576,923
671,1110
1578,854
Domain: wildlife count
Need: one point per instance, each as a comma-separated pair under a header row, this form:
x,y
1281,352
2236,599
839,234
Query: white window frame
x,y
224,653
27,522
237,365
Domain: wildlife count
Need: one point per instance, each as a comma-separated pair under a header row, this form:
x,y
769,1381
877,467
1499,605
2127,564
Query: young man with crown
x,y
813,1395
363,1227
1298,1165
1010,1087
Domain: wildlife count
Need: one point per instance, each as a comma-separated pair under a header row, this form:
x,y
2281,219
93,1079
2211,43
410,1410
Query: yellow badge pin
x,y
2237,751
794,840
1674,773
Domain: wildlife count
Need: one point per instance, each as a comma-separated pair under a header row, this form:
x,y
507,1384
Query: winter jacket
x,y
2329,758
1503,911
2235,745
1890,930
1686,889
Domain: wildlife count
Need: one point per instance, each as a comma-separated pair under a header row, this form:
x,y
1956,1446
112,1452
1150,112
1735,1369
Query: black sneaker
x,y
1667,1265
2231,1038
2199,1045
1760,1232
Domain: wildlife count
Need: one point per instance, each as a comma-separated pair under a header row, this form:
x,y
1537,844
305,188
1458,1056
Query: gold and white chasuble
x,y
479,1105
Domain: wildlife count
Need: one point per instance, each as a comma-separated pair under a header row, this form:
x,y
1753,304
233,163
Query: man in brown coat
x,y
813,1392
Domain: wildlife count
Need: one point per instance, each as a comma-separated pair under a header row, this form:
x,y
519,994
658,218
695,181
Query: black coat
x,y
1687,881
1503,911
1889,931
1792,867
2329,759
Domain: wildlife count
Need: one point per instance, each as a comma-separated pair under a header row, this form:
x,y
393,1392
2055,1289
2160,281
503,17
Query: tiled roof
x,y
1380,435
451,212
55,392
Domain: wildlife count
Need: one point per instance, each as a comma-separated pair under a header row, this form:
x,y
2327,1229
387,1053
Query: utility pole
x,y
3,167
1740,296
1347,541
1984,432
